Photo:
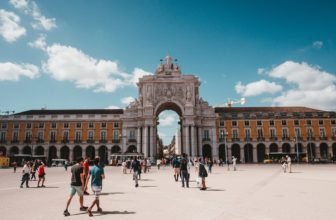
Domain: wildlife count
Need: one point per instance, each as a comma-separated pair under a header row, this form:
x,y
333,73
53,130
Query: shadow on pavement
x,y
147,186
117,213
146,180
216,190
111,193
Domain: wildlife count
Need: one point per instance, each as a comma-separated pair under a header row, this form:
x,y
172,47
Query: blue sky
x,y
88,54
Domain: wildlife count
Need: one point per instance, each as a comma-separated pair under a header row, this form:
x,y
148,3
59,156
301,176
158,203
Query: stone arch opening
x,y
131,149
65,152
236,152
334,149
286,148
115,149
90,152
39,150
77,152
261,151
14,150
3,151
222,152
102,152
299,146
311,151
52,154
207,151
248,153
27,150
273,148
324,151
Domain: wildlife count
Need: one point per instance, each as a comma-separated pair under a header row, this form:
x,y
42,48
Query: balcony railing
x,y
260,139
310,138
333,138
132,140
273,138
235,139
77,141
3,141
90,141
115,141
103,141
221,139
206,139
324,138
65,141
52,141
39,141
27,141
15,141
285,139
248,139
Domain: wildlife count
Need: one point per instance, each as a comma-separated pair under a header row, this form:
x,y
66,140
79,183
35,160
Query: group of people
x,y
286,163
80,178
29,173
145,165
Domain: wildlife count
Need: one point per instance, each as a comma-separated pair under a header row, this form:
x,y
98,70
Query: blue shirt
x,y
96,173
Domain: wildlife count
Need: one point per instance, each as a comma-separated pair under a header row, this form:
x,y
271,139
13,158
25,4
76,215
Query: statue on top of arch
x,y
168,68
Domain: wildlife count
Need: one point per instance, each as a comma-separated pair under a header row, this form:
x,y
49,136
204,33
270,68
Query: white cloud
x,y
10,28
39,43
30,7
112,107
168,119
261,71
138,73
13,72
317,44
66,63
127,100
257,88
311,86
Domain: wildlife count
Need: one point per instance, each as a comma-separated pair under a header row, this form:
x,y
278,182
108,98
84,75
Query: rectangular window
x,y
234,133
90,135
206,134
284,133
28,135
132,134
284,123
308,122
103,135
78,135
78,125
52,136
41,125
320,122
103,125
310,132
247,133
3,136
116,135
333,131
4,125
260,133
333,122
15,136
53,125
322,132
259,123
116,124
65,135
16,126
298,132
221,123
234,123
271,123
29,125
296,122
221,134
247,123
91,125
66,125
272,132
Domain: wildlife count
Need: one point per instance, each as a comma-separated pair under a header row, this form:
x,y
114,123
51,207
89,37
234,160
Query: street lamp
x,y
226,150
297,148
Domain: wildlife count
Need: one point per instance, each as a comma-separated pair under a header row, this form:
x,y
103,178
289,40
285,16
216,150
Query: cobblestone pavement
x,y
252,192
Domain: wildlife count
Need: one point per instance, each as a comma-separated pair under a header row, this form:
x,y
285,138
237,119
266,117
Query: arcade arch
x,y
3,151
286,148
77,152
236,151
324,150
39,150
115,149
221,152
90,152
14,150
248,153
26,150
102,152
65,152
52,154
261,151
207,151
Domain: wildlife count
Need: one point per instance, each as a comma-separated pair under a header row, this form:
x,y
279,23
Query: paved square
x,y
252,192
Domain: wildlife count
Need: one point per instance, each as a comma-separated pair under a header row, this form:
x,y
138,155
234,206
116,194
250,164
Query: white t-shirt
x,y
26,169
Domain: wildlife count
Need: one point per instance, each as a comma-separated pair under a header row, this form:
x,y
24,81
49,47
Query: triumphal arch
x,y
169,89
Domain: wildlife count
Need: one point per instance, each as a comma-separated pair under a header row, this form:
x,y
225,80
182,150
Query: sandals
x,y
100,210
89,212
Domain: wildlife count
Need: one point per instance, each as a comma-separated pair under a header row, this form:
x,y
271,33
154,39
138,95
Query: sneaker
x,y
100,210
43,186
203,188
21,186
136,185
86,193
84,208
89,212
27,186
66,213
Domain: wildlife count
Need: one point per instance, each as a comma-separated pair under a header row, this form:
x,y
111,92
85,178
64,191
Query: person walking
x,y
210,164
33,170
66,165
136,169
41,175
25,174
289,163
202,173
86,172
97,176
158,163
284,164
234,163
184,171
176,166
14,164
77,185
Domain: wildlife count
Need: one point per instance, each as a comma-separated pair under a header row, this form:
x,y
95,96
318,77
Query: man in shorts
x,y
77,185
97,174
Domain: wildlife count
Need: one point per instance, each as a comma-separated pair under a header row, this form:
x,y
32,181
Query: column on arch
x,y
186,139
144,140
242,154
193,142
151,142
214,144
138,140
200,152
255,155
229,153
